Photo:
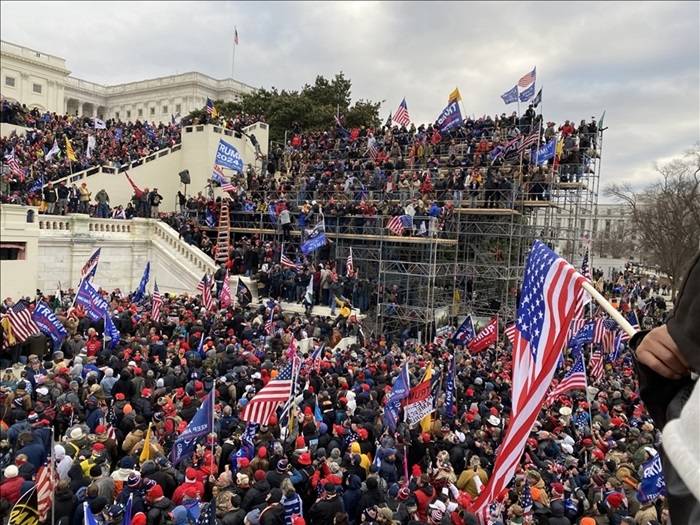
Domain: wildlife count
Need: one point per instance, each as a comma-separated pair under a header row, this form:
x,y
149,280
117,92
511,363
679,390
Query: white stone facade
x,y
40,80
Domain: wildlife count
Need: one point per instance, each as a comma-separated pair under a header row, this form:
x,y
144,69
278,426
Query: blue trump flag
x,y
141,290
653,482
228,157
126,520
209,218
111,331
89,517
450,117
510,96
583,336
37,185
48,323
400,391
528,93
91,301
546,152
202,424
314,243
465,332
450,408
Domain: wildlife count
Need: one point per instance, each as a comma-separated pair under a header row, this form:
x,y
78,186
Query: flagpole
x,y
610,309
233,59
51,473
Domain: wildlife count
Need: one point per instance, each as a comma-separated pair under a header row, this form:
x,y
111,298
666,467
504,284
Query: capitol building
x,y
43,81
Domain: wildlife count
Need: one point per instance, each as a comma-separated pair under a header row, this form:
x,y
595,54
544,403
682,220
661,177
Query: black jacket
x,y
324,510
256,495
272,515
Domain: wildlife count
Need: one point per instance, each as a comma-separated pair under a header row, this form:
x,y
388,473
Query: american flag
x,y
286,262
575,379
272,395
210,107
525,500
90,267
45,482
349,265
372,147
110,420
399,223
225,295
528,78
207,515
546,308
510,332
596,365
156,302
401,116
528,142
204,288
15,168
269,324
313,361
23,326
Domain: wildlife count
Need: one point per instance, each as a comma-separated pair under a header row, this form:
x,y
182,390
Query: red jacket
x,y
191,489
424,496
9,490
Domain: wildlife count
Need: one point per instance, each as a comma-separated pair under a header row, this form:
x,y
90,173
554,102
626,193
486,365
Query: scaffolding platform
x,y
351,236
318,310
487,211
570,185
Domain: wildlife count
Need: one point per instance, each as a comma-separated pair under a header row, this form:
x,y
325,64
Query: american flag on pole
x,y
15,168
20,317
372,147
595,364
204,288
349,265
584,298
510,332
634,321
575,379
90,267
45,482
528,142
401,116
156,302
269,324
547,303
399,223
528,78
225,295
286,262
272,395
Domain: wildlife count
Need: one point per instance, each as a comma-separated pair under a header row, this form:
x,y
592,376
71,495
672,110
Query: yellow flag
x,y
70,153
425,422
560,148
454,96
214,112
146,452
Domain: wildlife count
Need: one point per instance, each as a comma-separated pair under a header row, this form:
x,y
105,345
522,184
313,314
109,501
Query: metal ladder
x,y
223,234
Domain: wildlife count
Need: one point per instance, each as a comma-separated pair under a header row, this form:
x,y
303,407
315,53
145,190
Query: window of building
x,y
153,111
116,115
13,251
165,109
36,88
178,108
128,113
10,81
140,113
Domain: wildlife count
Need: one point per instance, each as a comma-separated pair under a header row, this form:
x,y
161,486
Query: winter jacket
x,y
10,489
158,513
323,511
65,503
272,515
256,495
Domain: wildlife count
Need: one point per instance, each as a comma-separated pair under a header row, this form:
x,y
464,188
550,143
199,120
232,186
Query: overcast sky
x,y
638,61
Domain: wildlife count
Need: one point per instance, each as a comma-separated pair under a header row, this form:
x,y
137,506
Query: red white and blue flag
x,y
156,302
547,304
401,116
486,337
575,379
90,267
349,265
398,224
272,395
528,78
595,364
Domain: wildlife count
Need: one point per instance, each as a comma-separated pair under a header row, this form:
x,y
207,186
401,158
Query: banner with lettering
x,y
228,157
450,117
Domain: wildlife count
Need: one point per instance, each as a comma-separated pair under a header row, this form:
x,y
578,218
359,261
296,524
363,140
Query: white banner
x,y
415,412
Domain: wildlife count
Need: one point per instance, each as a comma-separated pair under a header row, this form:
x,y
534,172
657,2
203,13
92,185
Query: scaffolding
x,y
472,263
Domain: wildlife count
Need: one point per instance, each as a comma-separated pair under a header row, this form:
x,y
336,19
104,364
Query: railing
x,y
181,250
67,223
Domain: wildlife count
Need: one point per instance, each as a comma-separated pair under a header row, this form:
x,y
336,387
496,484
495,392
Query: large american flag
x,y
399,223
20,317
272,395
210,107
15,168
45,482
349,265
528,78
510,332
90,267
286,262
547,302
575,379
156,302
204,288
372,147
596,365
401,116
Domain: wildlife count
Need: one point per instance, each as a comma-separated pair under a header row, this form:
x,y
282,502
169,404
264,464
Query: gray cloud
x,y
638,61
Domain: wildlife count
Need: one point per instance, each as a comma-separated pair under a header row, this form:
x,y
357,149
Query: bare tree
x,y
667,215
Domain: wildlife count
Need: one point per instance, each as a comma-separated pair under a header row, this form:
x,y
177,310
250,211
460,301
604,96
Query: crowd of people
x,y
90,404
